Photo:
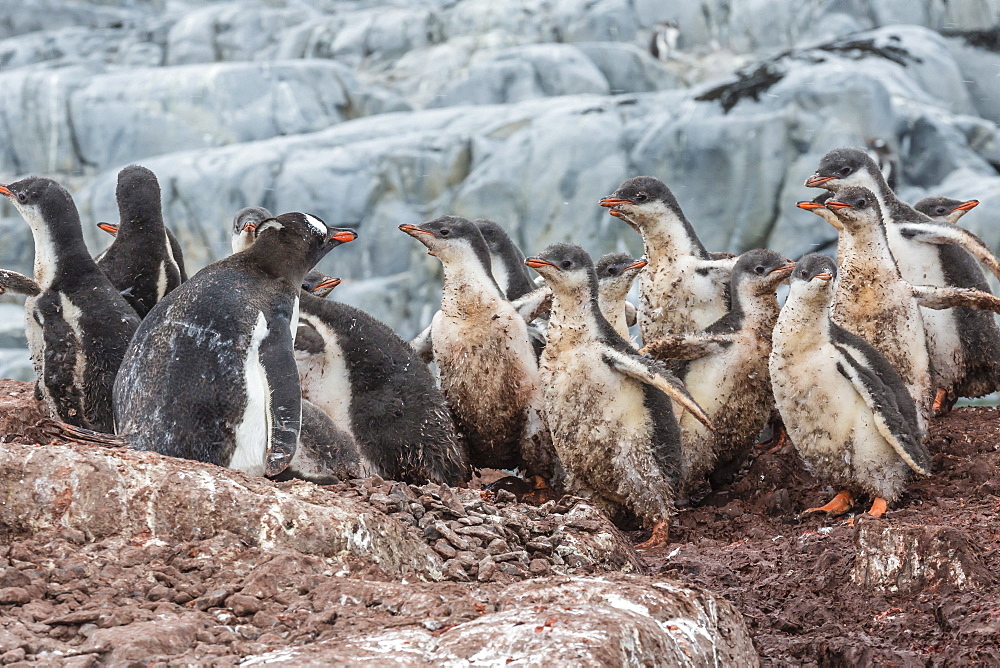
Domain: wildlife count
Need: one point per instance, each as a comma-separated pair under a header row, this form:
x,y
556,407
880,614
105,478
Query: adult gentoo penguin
x,y
484,355
78,326
726,369
846,409
964,344
210,374
609,409
945,209
683,289
615,273
143,261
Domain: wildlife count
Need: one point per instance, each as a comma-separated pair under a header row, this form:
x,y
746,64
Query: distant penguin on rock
x,y
609,409
846,409
683,288
483,351
210,375
615,273
78,325
144,261
945,209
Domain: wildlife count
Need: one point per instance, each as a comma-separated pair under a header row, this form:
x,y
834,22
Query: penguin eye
x,y
566,264
641,197
861,203
444,232
844,171
613,271
940,211
22,197
759,269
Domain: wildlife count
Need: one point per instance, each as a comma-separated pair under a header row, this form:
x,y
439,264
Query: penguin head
x,y
760,272
245,224
566,269
497,239
856,208
291,244
618,269
812,278
817,205
945,208
845,167
138,195
319,284
642,201
44,204
452,239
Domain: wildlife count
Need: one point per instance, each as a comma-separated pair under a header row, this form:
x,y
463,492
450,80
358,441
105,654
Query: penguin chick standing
x,y
210,374
945,209
964,344
683,289
506,261
141,262
727,369
846,409
483,351
615,273
77,325
608,408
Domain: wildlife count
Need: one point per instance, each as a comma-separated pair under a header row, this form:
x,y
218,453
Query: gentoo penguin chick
x,y
484,355
245,224
886,159
506,261
11,281
374,388
210,374
964,344
846,409
726,371
615,273
609,409
683,289
319,285
945,209
324,454
77,325
141,262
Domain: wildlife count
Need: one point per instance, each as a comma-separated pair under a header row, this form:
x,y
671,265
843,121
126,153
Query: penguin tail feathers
x,y
62,431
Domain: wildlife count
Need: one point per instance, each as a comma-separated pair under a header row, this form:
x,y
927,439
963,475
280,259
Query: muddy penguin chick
x,y
726,369
144,261
683,289
846,409
945,209
506,260
609,409
615,273
963,344
482,348
78,326
210,374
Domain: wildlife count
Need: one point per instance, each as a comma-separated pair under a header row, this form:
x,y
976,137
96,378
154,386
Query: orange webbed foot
x,y
660,537
879,506
839,505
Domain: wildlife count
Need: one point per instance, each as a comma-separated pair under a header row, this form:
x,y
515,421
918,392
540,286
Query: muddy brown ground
x,y
63,600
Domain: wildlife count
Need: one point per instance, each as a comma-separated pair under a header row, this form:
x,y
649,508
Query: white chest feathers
x,y
253,433
324,376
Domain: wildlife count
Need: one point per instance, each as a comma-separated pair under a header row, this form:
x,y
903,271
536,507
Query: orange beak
x,y
824,276
536,262
809,205
344,236
249,227
413,229
327,282
5,191
638,264
613,201
816,180
967,206
834,204
789,267
109,228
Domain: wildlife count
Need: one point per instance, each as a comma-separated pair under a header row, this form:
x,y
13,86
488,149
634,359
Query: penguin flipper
x,y
948,233
722,263
422,345
631,313
11,281
534,304
685,346
894,413
277,356
649,372
935,297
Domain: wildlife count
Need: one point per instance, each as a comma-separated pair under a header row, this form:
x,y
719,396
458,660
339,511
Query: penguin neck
x,y
139,222
864,252
611,300
59,251
668,236
574,316
467,284
803,322
888,203
755,309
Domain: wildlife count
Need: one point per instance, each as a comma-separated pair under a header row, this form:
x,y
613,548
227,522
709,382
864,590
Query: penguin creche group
x,y
608,408
210,374
846,409
78,326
